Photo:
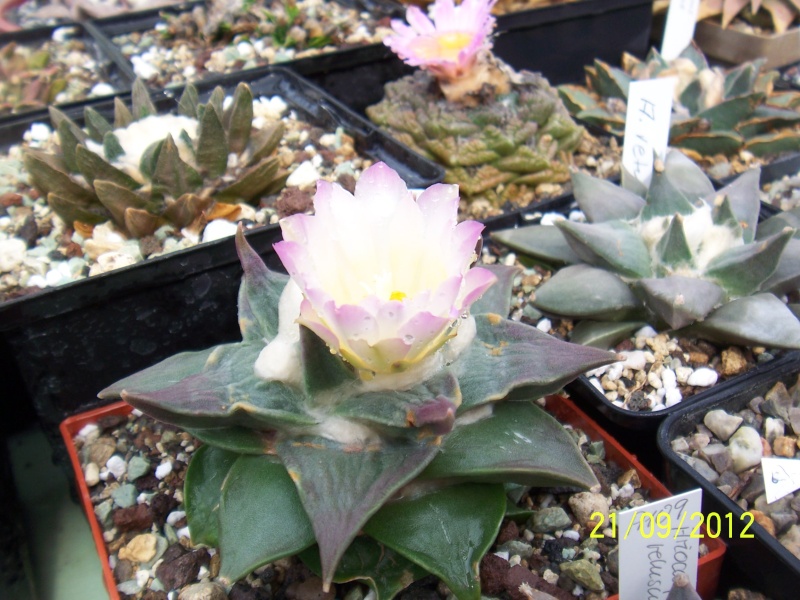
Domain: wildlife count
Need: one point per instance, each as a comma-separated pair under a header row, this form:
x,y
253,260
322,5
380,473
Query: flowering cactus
x,y
678,254
453,44
360,422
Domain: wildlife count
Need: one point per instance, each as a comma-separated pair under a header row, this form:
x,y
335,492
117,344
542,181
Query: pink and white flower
x,y
448,43
384,278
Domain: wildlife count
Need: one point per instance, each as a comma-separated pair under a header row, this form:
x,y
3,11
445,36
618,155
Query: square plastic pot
x,y
774,569
709,566
67,343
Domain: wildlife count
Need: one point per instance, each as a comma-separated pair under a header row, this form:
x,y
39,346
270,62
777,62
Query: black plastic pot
x,y
108,70
67,343
353,75
559,40
774,569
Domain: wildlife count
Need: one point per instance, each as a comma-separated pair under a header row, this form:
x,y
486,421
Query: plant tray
x,y
736,47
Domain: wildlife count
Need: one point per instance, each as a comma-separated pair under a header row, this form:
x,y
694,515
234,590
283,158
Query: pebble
x,y
703,377
116,465
745,447
304,175
137,466
218,229
163,469
784,446
584,573
91,474
203,591
585,504
140,549
125,495
721,423
12,254
550,519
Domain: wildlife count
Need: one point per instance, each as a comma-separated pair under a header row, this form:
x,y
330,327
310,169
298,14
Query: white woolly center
x,y
345,432
473,416
280,358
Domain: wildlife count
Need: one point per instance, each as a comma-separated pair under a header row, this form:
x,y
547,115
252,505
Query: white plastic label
x,y
679,29
656,542
647,125
781,477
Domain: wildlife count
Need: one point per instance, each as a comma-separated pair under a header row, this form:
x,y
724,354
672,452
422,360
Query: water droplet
x,y
408,338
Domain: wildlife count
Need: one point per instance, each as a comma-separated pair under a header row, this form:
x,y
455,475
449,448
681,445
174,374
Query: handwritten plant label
x,y
656,542
679,29
781,477
647,125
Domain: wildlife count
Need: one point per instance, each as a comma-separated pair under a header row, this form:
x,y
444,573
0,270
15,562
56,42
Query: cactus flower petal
x,y
385,278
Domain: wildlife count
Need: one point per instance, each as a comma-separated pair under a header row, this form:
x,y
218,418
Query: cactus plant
x,y
362,422
105,173
715,111
678,255
497,133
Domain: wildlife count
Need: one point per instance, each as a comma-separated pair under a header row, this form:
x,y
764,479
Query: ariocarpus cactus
x,y
677,255
367,401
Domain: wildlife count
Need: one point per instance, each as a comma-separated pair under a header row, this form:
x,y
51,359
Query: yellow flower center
x,y
444,45
396,295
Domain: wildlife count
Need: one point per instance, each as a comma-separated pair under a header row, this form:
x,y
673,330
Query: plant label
x,y
781,477
647,125
679,28
656,542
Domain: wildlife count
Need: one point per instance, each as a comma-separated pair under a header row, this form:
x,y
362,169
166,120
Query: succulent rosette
x,y
678,255
449,41
331,434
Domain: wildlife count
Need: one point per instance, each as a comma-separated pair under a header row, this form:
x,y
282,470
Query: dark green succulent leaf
x,y
519,443
585,292
680,301
576,98
690,97
93,167
728,114
446,532
740,80
202,490
112,148
676,188
211,151
786,277
216,100
497,299
611,81
49,175
381,568
322,369
61,121
213,388
252,183
745,202
680,127
614,245
122,115
240,121
673,247
501,359
367,474
723,215
611,122
710,143
68,143
777,115
187,105
694,54
117,199
149,159
758,320
602,200
141,103
96,124
259,294
777,223
260,517
240,440
631,183
70,211
603,334
774,143
742,269
265,141
429,407
544,243
173,175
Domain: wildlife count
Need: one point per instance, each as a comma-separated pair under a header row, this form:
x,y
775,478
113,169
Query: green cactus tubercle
x,y
716,112
678,255
173,181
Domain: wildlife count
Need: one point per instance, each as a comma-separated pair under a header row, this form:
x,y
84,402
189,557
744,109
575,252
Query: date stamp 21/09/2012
x,y
664,525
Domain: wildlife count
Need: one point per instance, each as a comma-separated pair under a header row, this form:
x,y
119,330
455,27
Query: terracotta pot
x,y
709,566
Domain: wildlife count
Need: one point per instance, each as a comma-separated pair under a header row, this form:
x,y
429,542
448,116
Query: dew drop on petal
x,y
408,338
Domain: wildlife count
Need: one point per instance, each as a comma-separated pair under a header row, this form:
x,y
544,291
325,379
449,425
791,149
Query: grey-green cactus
x,y
500,150
175,179
715,111
677,255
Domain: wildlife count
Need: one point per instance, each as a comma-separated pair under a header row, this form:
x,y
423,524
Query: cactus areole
x,y
678,255
498,133
365,420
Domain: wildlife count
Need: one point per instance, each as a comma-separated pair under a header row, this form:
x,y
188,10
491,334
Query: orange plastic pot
x,y
709,566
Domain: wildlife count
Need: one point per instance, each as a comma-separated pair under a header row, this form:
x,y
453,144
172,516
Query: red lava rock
x,y
509,531
133,518
493,571
160,506
146,483
10,199
183,570
347,181
293,201
242,591
518,575
111,421
72,250
150,245
611,583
